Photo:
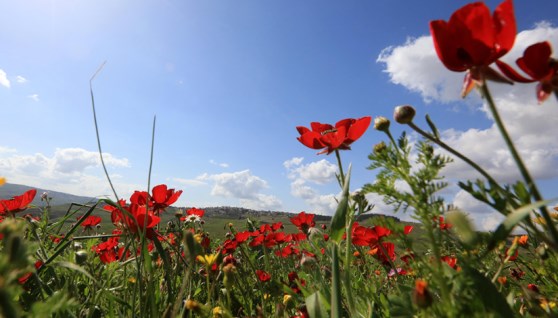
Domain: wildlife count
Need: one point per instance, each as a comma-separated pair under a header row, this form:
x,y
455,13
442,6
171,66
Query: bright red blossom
x,y
18,203
91,221
539,65
472,39
303,221
263,276
338,137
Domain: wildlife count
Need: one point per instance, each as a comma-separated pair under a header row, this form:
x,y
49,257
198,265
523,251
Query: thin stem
x,y
453,152
342,175
522,168
97,129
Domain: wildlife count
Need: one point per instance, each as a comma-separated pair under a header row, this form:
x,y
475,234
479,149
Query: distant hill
x,y
9,190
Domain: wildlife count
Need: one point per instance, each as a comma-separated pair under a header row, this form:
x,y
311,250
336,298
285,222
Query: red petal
x,y
511,73
504,24
358,128
312,140
535,60
446,46
159,193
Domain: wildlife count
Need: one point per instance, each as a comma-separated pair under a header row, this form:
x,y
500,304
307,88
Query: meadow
x,y
144,258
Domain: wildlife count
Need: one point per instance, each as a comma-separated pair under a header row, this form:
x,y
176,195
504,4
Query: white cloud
x,y
21,80
319,172
34,97
222,165
68,170
415,65
190,182
6,149
242,185
4,81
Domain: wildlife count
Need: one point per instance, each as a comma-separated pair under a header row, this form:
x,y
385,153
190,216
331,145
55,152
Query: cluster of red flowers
x,y
472,39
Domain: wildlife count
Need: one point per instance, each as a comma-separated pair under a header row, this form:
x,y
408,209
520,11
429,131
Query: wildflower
x,y
23,279
208,259
2,181
407,229
287,299
303,221
191,218
443,225
522,241
195,211
263,276
539,65
18,203
503,280
421,295
451,261
217,312
161,197
472,40
90,222
338,137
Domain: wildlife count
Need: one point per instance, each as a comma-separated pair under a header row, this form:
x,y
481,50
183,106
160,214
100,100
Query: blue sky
x,y
229,81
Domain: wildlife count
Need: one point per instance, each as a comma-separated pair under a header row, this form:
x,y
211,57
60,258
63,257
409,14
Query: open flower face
x,y
472,39
332,138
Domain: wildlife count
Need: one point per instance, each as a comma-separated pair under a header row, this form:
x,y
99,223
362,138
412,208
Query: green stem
x,y
522,168
341,174
336,284
453,152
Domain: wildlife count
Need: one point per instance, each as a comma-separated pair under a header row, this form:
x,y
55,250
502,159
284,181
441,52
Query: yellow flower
x,y
2,181
208,259
198,237
217,312
132,280
286,299
547,305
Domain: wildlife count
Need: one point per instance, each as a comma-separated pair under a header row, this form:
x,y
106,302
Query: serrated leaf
x,y
338,222
317,305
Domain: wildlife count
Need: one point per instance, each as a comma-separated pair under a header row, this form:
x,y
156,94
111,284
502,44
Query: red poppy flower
x,y
91,221
303,221
263,276
340,136
18,203
161,197
23,279
142,218
472,39
363,236
408,229
194,211
539,65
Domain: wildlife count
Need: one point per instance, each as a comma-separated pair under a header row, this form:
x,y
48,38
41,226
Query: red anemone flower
x,y
142,218
161,197
303,221
18,203
340,136
263,276
195,211
539,65
472,39
91,221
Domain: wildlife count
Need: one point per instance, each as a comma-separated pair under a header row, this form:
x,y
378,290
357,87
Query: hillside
x,y
9,190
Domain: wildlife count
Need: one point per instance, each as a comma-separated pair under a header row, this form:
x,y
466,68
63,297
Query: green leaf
x,y
433,127
463,227
488,294
317,305
339,220
75,267
516,216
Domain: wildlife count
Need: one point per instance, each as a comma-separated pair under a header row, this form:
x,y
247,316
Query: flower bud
x,y
421,295
81,257
542,251
404,114
381,123
379,147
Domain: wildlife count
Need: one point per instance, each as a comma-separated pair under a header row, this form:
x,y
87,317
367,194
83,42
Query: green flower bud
x,y
404,114
81,257
381,123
